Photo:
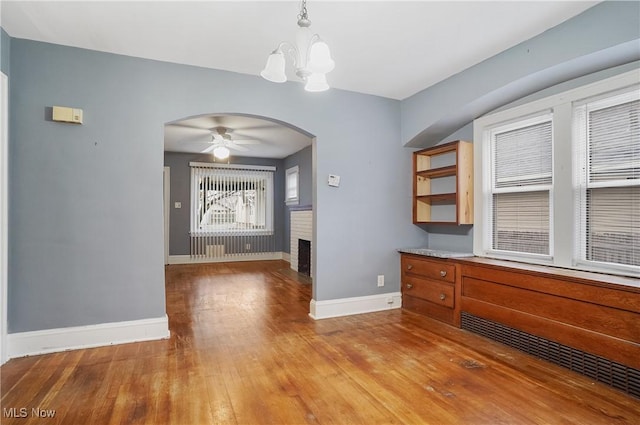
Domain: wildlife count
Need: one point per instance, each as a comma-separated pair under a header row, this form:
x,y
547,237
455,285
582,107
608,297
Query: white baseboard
x,y
286,257
72,338
187,259
356,305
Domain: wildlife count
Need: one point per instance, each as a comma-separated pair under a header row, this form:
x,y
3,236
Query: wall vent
x,y
619,376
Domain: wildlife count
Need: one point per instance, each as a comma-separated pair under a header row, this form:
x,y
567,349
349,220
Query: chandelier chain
x,y
303,10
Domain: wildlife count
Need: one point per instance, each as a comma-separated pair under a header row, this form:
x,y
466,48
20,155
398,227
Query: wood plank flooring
x,y
243,350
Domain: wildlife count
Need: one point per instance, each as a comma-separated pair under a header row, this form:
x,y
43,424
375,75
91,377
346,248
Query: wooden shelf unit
x,y
443,184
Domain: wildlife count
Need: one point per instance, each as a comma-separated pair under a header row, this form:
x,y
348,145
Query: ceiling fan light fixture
x,y
310,54
221,152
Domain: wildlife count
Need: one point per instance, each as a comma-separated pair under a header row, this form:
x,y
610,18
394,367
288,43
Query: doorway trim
x,y
4,214
167,210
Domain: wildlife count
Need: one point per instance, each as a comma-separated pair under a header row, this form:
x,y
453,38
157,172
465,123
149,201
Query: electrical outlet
x,y
380,280
247,247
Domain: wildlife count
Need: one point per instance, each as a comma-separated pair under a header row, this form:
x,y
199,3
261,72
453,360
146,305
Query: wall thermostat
x,y
334,180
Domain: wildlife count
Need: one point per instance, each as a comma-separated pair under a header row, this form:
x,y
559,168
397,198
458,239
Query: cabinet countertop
x,y
438,253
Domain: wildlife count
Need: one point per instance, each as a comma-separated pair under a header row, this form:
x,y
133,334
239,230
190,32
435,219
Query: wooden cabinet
x,y
429,287
443,184
576,309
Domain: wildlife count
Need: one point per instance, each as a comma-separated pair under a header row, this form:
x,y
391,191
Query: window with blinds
x,y
608,139
522,180
231,201
292,177
558,179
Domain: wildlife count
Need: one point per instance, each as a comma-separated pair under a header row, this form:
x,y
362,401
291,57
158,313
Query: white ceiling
x,y
386,48
269,139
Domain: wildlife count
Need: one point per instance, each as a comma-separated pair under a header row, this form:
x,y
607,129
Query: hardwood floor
x,y
243,350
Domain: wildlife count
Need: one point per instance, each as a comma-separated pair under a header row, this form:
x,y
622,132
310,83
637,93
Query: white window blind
x,y
521,222
558,179
523,156
231,201
608,133
521,186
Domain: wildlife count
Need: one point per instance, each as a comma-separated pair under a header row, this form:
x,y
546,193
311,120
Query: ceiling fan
x,y
221,142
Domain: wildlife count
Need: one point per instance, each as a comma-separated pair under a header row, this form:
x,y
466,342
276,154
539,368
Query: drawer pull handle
x,y
409,267
442,297
409,286
443,273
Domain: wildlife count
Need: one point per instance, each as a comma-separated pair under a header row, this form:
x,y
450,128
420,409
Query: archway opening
x,y
237,208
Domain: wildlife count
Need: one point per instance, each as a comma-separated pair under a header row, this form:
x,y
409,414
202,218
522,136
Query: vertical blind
x,y
610,204
521,185
231,210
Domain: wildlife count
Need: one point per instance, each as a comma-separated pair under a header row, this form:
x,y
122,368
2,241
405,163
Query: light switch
x,y
177,205
334,180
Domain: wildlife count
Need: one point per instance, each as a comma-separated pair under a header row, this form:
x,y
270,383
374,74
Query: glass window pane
x,y
613,225
521,222
614,142
523,156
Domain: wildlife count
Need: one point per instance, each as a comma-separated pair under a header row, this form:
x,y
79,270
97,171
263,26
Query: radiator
x,y
619,376
230,246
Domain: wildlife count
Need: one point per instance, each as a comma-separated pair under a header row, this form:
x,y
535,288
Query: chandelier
x,y
310,55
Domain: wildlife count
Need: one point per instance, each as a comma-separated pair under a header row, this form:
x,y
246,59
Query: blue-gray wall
x,y
86,201
180,191
604,36
86,243
303,159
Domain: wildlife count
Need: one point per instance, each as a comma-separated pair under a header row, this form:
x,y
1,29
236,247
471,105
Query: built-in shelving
x,y
443,184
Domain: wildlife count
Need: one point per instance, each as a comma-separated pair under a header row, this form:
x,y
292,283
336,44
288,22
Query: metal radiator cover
x,y
611,373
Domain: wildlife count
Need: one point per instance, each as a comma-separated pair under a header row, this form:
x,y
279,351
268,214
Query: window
x,y
558,179
232,200
292,186
608,145
521,186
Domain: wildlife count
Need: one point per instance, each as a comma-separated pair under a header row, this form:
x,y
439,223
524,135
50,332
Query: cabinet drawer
x,y
429,290
436,270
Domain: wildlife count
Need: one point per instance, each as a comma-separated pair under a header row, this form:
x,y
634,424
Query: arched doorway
x,y
222,220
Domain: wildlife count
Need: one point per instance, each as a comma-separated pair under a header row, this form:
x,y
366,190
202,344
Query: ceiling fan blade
x,y
232,145
247,142
189,128
209,149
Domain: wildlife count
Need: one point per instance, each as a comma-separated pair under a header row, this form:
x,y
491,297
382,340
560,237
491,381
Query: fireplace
x,y
304,257
301,229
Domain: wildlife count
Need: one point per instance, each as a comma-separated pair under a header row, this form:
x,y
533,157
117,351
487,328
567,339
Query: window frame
x,y
584,184
565,182
493,131
269,225
292,200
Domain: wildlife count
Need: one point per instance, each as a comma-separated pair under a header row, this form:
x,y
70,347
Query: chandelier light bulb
x,y
320,58
274,70
316,83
